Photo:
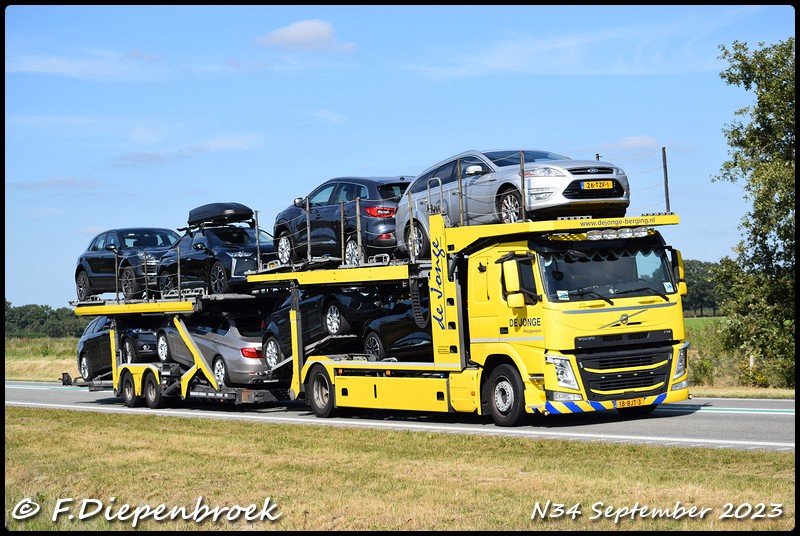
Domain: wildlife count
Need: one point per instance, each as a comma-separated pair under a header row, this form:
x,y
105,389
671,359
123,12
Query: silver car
x,y
555,185
230,343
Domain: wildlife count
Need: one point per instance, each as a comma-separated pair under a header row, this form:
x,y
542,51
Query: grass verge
x,y
322,478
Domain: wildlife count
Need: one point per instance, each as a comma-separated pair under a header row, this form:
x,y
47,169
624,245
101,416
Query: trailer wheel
x,y
506,398
152,392
321,391
128,391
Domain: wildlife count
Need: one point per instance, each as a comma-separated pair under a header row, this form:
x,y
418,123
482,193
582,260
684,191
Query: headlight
x,y
240,254
680,364
564,374
543,172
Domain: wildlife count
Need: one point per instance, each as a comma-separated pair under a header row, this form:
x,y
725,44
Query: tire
x,y
162,348
509,206
128,392
637,412
285,248
220,370
166,283
335,323
272,352
352,254
419,242
506,397
320,392
131,289
128,351
217,279
82,286
85,367
152,392
373,345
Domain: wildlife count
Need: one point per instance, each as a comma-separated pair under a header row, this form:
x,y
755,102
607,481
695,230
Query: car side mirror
x,y
299,202
112,247
475,169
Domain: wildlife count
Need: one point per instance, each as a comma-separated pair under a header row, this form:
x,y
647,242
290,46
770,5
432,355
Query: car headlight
x,y
543,171
239,254
680,364
564,373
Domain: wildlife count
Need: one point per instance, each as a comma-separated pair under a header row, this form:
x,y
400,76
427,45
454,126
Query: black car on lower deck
x,y
398,333
137,343
220,246
122,260
322,313
330,205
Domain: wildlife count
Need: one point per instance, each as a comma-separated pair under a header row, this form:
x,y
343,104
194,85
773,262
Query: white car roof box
x,y
219,214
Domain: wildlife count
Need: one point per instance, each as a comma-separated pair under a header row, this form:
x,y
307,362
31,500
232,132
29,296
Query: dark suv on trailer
x,y
331,203
130,251
219,248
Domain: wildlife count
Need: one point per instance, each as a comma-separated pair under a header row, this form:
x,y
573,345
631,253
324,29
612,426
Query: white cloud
x,y
306,35
92,65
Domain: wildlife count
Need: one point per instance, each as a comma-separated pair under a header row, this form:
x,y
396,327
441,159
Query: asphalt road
x,y
723,423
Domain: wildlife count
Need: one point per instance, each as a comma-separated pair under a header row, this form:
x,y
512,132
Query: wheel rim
x,y
333,320
127,351
503,395
372,345
151,389
218,282
509,207
271,353
128,389
128,281
351,255
84,368
416,240
83,286
284,249
322,391
163,348
219,371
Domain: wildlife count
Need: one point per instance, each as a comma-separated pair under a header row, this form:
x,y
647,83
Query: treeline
x,y
43,321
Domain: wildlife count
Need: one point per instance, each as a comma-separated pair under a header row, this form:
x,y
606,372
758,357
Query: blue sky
x,y
121,116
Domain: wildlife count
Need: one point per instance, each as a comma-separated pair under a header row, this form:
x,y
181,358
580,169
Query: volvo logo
x,y
592,170
623,319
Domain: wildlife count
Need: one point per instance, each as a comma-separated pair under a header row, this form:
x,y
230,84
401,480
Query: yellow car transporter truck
x,y
562,316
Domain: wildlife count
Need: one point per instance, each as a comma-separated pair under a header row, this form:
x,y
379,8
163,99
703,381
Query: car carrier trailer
x,y
157,384
561,316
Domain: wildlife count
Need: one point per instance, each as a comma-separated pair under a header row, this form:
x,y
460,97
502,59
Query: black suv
x,y
332,203
127,250
217,250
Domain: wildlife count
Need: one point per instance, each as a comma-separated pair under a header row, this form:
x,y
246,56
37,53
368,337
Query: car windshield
x,y
149,238
392,192
511,158
239,236
606,274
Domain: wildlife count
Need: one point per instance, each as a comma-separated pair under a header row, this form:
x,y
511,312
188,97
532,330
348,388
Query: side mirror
x,y
299,202
475,169
112,247
511,276
516,300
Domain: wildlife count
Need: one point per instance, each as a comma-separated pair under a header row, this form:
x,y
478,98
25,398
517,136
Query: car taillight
x,y
252,352
380,212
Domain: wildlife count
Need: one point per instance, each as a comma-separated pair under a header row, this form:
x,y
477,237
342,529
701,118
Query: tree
x,y
702,287
760,303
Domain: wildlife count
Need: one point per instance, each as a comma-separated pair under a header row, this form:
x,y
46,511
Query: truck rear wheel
x,y
128,391
321,393
152,392
506,396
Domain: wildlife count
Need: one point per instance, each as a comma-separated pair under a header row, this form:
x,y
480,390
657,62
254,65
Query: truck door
x,y
522,301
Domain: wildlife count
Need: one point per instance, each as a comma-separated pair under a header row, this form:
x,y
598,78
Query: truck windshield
x,y
606,274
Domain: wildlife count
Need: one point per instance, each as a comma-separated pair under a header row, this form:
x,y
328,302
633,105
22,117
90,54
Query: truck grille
x,y
607,375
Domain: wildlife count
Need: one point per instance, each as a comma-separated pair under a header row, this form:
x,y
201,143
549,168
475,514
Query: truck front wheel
x,y
321,393
506,396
